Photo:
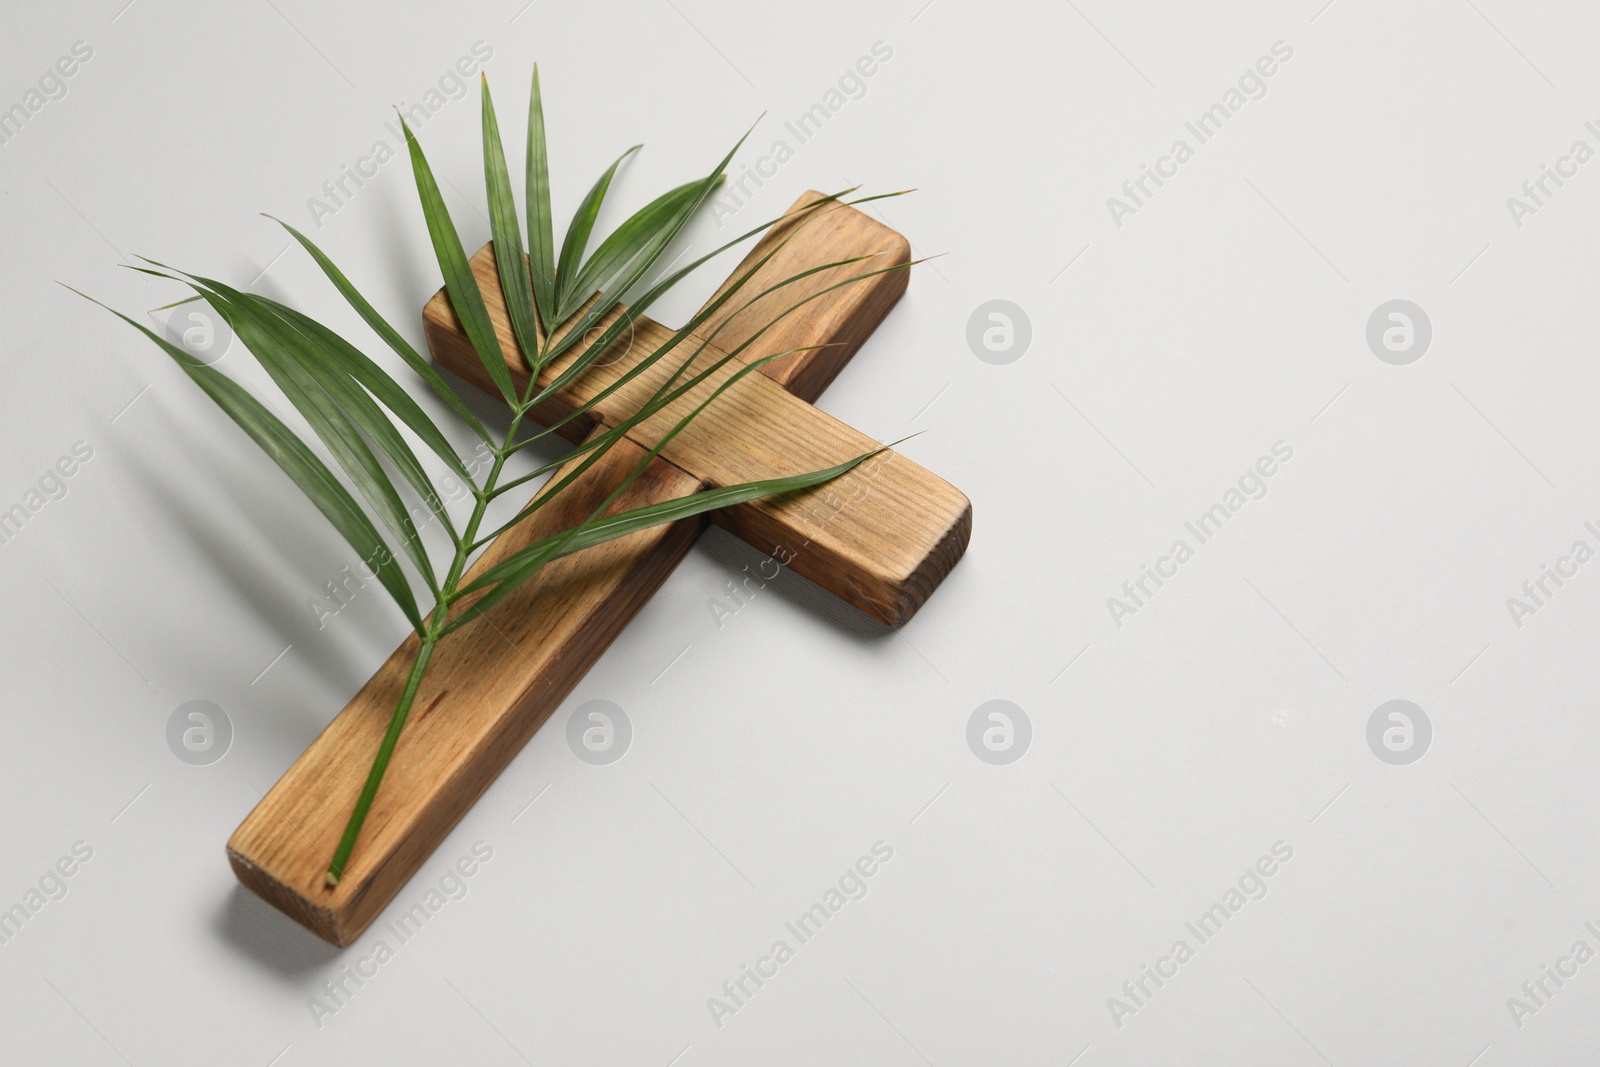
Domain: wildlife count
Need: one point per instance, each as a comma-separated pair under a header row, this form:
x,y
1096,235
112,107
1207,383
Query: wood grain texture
x,y
492,684
880,538
843,319
488,688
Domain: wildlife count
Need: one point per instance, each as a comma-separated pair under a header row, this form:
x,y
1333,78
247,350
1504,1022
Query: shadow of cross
x,y
881,537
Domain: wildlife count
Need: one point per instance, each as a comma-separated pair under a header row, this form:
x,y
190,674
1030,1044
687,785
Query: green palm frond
x,y
556,301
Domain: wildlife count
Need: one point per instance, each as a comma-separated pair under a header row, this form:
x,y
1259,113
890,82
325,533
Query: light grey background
x,y
1168,753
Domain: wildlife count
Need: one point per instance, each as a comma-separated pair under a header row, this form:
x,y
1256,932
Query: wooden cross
x,y
881,538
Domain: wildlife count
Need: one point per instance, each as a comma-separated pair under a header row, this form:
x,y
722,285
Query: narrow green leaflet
x,y
390,335
507,234
672,223
620,248
321,353
665,394
541,239
577,366
352,361
517,568
280,349
299,463
521,575
649,297
459,281
576,242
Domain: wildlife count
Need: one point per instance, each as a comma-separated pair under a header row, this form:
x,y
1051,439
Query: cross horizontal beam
x,y
881,539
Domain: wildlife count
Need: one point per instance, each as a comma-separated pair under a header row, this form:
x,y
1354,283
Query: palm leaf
x,y
517,568
618,249
358,410
666,395
532,558
507,235
577,366
541,240
392,338
577,240
308,472
322,400
597,445
652,240
347,358
459,282
329,363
